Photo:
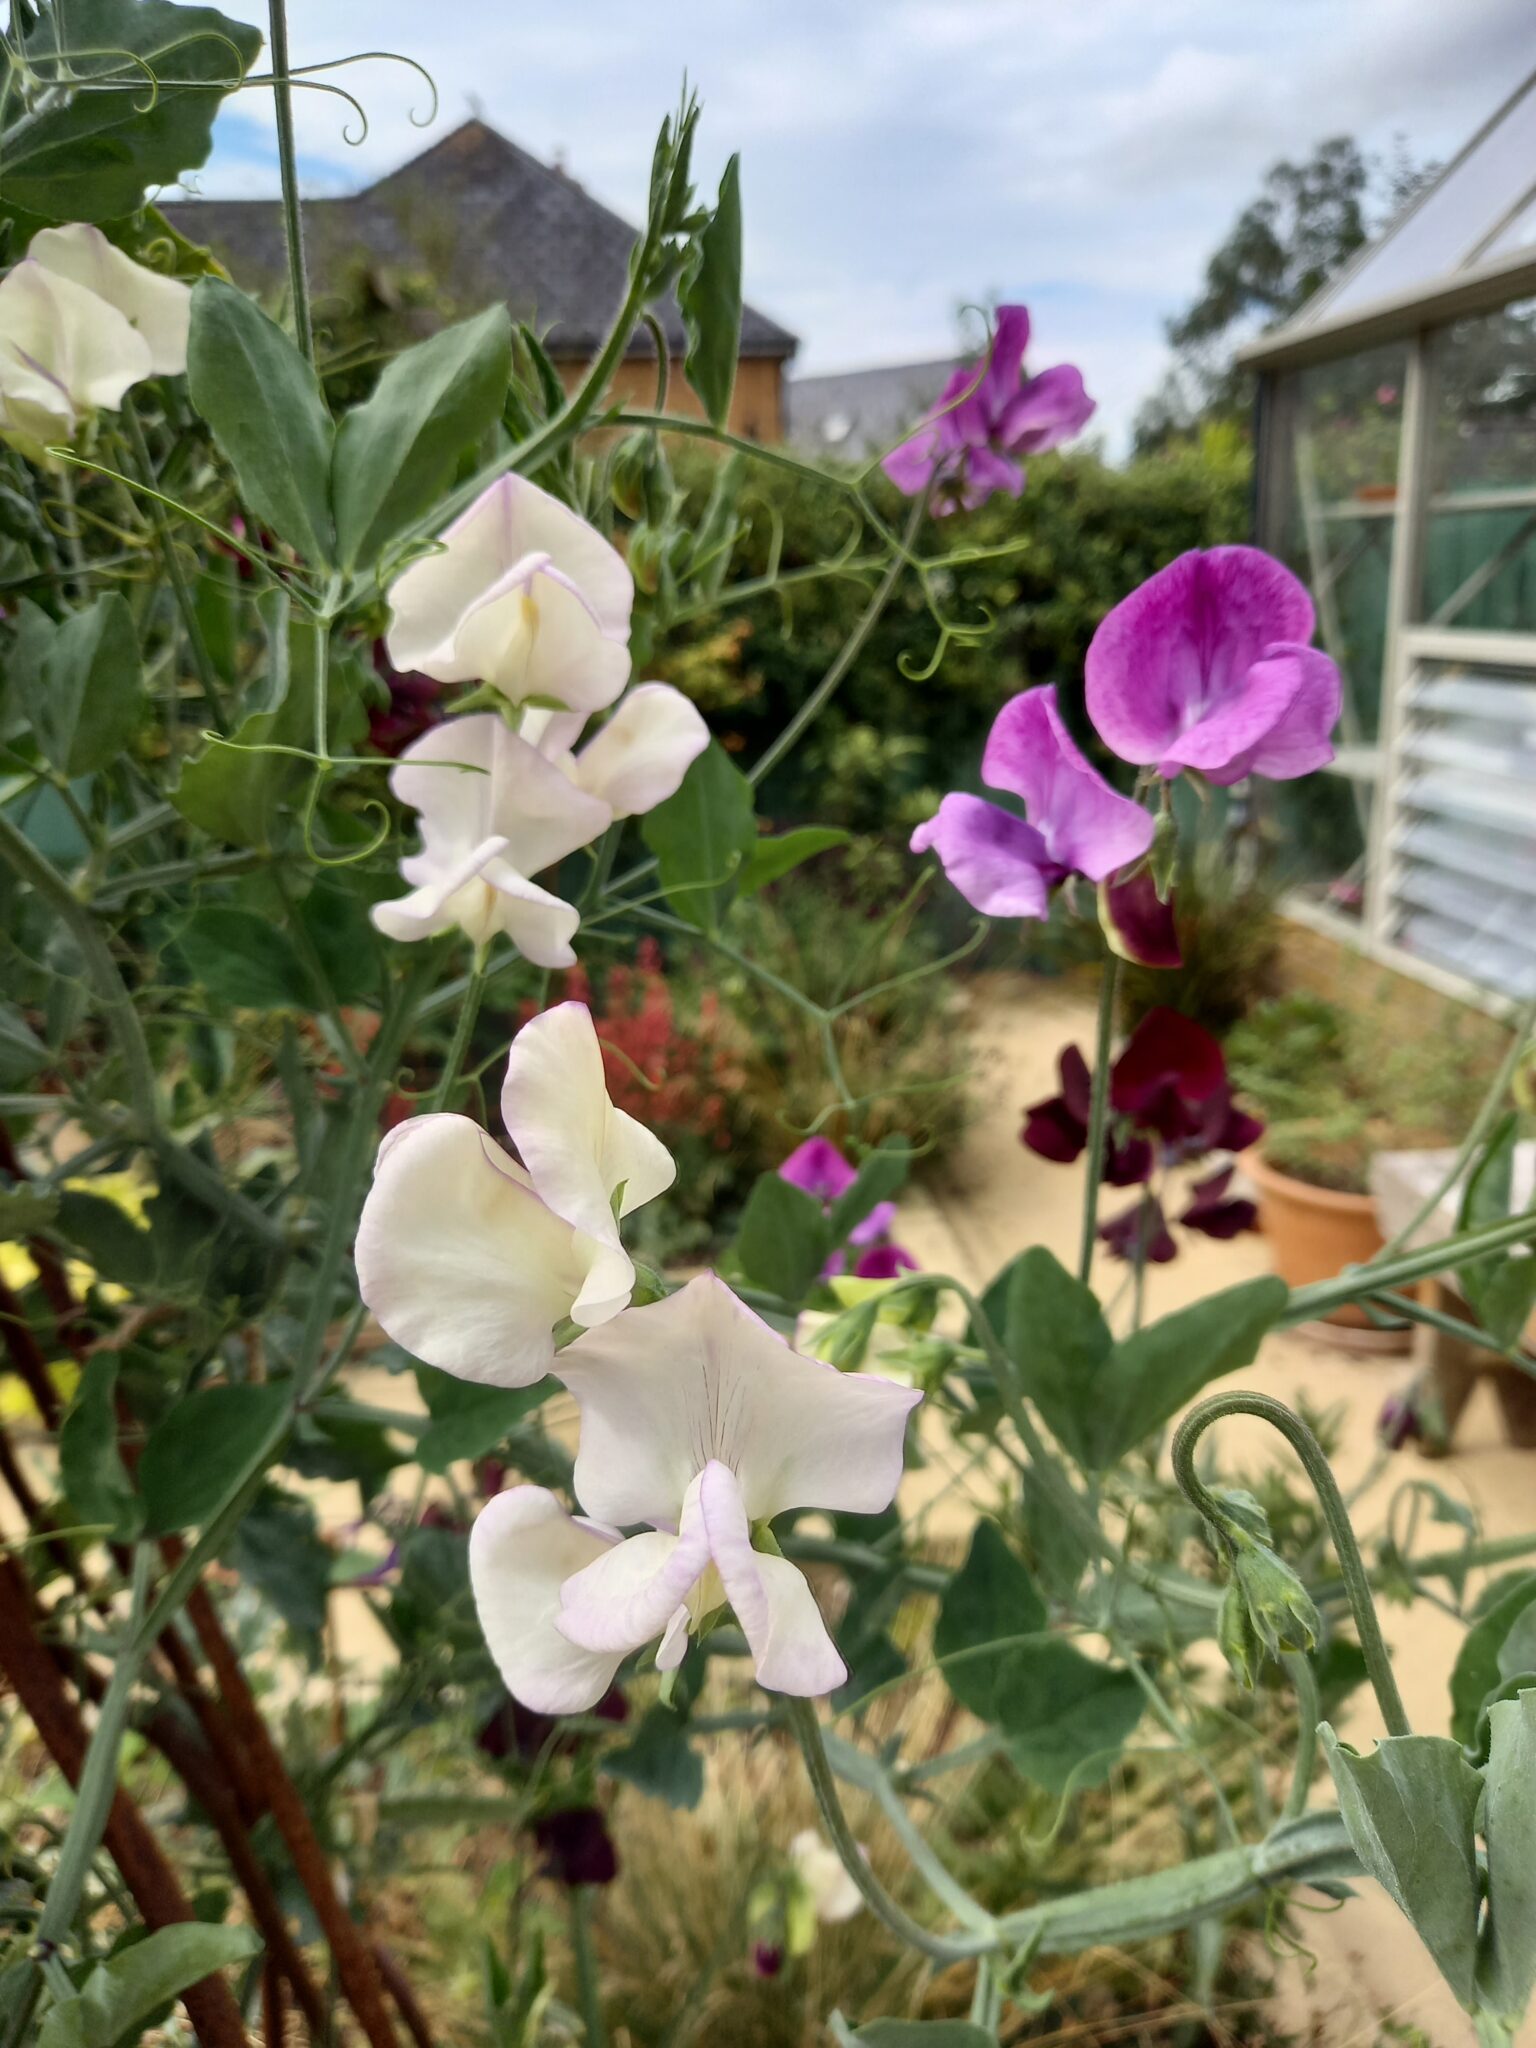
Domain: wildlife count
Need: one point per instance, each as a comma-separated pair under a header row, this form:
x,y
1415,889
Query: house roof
x,y
485,220
1465,243
856,412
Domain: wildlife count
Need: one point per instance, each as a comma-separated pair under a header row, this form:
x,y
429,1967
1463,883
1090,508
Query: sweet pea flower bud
x,y
1235,1635
1279,1605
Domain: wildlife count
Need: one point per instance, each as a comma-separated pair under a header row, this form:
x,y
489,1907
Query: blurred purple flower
x,y
767,1958
884,1262
577,1846
1145,1224
1216,1213
1207,666
415,702
1074,823
818,1168
1167,1076
1057,1128
1400,1422
986,420
1137,922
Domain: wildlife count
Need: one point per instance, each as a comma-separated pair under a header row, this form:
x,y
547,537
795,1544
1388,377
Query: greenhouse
x,y
1397,475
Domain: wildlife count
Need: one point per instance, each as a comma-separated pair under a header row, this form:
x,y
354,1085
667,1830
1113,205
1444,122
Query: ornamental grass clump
x,y
363,1475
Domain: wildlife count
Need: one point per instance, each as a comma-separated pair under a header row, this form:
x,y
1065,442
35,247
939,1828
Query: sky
x,y
902,159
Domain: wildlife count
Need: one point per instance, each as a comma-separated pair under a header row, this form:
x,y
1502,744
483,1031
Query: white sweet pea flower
x,y
699,1421
469,1259
523,595
80,323
637,758
832,1892
494,811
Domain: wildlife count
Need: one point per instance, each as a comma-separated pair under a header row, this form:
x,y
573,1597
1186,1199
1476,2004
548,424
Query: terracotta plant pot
x,y
1314,1233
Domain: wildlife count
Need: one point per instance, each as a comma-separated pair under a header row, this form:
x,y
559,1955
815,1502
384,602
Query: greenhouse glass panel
x,y
1321,829
1480,540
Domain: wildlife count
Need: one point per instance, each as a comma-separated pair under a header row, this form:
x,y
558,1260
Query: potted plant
x,y
1334,1087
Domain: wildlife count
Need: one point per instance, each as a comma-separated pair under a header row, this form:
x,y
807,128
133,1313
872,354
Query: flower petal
x,y
57,327
1301,737
817,1168
1050,408
1183,642
471,778
578,1147
158,308
639,758
534,634
1085,824
998,863
1137,923
664,1388
791,1649
630,1594
522,1549
459,1260
449,892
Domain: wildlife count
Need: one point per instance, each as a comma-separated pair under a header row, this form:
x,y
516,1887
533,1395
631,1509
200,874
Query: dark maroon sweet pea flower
x,y
1136,921
1216,1213
415,702
1167,1075
516,1731
884,1262
767,1959
1057,1128
577,1846
1208,666
1074,823
987,419
1399,1422
1223,1127
1143,1224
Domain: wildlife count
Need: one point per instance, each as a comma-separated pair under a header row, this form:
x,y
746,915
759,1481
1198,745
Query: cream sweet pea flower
x,y
523,595
469,1259
80,323
830,1888
494,811
637,758
699,1421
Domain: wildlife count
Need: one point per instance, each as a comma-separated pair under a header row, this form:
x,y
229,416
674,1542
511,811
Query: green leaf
x,y
469,1419
1410,1808
397,451
1154,1372
26,1210
96,1482
92,156
22,1052
701,836
245,962
1478,1669
882,1175
709,293
1053,1330
114,1245
771,858
991,1599
262,402
923,2034
1507,1968
783,1241
1501,1288
81,681
122,1993
195,1457
660,1761
278,1549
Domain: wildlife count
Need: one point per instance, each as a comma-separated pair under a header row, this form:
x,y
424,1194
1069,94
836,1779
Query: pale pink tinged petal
x,y
664,1388
70,336
609,1283
673,1647
1084,823
639,758
629,1595
541,925
428,599
536,523
791,1649
834,1895
459,1260
578,1147
35,410
1050,409
159,308
1182,644
999,863
535,805
451,891
522,1549
1301,740
445,776
537,635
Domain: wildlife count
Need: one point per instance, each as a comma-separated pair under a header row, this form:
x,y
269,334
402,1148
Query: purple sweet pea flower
x,y
1143,1225
1007,866
577,1847
986,420
818,1168
884,1262
1207,666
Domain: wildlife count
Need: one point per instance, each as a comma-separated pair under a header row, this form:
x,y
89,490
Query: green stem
x,y
942,1948
287,157
171,562
121,1017
1098,1114
588,1989
1357,1582
871,1776
463,1033
1307,1303
98,1777
1309,1711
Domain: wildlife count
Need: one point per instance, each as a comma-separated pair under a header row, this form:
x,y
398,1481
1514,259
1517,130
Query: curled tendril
x,y
306,71
156,80
924,672
358,853
261,78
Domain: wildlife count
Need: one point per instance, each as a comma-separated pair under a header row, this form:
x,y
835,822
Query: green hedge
x,y
888,745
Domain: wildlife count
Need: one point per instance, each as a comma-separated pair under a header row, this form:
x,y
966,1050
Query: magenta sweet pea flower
x,y
1207,665
986,420
1007,866
818,1168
